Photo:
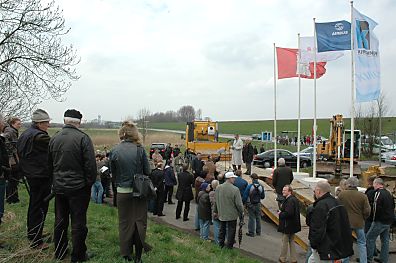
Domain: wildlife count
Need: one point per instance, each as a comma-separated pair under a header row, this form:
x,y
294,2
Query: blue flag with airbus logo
x,y
333,36
367,58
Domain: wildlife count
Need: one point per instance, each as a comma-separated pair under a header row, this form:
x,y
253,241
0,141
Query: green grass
x,y
253,127
169,245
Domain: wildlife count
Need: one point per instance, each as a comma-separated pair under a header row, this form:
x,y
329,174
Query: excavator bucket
x,y
323,167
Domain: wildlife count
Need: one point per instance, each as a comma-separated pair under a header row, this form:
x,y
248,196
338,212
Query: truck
x,y
203,137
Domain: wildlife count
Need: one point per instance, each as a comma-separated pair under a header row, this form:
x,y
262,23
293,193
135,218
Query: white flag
x,y
307,54
367,58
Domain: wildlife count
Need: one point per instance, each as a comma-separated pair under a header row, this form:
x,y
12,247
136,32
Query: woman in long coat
x,y
127,159
237,147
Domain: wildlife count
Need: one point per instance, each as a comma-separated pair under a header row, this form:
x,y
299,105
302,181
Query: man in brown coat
x,y
358,208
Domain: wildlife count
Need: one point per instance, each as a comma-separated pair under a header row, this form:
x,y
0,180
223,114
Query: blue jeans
x,y
216,229
196,219
378,229
204,229
254,223
2,194
361,243
97,192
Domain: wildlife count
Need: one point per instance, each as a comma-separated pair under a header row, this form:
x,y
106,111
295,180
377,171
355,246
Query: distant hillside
x,y
252,127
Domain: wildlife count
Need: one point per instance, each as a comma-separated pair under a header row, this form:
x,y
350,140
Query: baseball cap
x,y
230,175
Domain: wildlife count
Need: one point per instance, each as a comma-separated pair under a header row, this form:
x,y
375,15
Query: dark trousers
x,y
40,188
179,209
234,167
12,186
248,168
75,205
106,186
229,228
114,187
168,193
159,203
132,218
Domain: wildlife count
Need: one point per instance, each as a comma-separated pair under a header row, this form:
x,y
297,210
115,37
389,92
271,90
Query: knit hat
x,y
203,186
74,114
40,116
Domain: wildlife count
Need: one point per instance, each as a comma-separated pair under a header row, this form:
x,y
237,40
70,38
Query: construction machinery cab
x,y
202,137
334,154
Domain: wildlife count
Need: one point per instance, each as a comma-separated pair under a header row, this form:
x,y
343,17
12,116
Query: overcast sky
x,y
216,55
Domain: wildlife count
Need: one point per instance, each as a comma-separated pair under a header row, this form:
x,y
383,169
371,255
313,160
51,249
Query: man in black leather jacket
x,y
329,232
32,148
73,167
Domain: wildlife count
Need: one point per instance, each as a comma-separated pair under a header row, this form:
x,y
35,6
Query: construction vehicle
x,y
334,154
202,137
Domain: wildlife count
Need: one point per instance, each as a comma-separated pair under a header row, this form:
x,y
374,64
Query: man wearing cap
x,y
32,148
228,208
72,164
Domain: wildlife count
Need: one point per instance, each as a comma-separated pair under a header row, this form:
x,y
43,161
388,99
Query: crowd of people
x,y
66,168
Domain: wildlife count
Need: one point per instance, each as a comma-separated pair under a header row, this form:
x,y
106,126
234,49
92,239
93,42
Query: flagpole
x,y
274,137
299,106
352,97
314,125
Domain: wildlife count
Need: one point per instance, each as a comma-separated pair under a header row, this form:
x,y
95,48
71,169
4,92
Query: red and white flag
x,y
287,65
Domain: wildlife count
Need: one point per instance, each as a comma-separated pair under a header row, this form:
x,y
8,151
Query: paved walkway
x,y
265,247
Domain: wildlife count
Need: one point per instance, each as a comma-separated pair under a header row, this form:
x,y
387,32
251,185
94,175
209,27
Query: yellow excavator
x,y
334,154
202,137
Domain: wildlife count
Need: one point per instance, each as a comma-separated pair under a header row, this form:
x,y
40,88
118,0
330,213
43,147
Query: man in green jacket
x,y
228,208
358,208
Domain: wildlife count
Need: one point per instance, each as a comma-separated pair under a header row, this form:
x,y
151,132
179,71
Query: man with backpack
x,y
252,197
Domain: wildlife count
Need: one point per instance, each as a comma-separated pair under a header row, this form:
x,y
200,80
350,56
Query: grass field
x,y
169,245
253,127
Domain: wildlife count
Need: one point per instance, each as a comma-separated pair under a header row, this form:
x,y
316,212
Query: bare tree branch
x,y
35,65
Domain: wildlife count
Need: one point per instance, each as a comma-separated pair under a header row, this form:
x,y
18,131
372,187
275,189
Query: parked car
x,y
266,159
389,157
307,152
256,137
160,146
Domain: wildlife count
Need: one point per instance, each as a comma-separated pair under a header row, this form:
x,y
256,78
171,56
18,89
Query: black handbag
x,y
143,188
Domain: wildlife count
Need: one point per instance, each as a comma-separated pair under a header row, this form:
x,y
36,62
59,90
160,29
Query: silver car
x,y
307,152
389,157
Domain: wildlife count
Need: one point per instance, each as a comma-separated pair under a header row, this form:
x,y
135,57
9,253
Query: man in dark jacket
x,y
240,182
170,182
289,223
330,233
282,176
11,134
4,169
184,192
247,155
252,197
197,165
157,177
72,164
383,217
32,147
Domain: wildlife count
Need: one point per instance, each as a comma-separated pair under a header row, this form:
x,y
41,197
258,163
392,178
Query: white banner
x,y
307,55
367,58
